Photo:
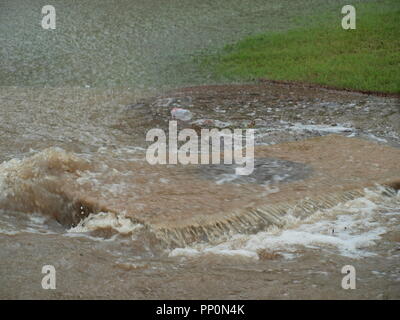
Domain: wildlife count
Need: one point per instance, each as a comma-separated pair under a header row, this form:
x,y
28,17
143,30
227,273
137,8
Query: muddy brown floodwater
x,y
111,256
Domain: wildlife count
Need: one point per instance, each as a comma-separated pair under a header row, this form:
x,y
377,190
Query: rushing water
x,y
74,111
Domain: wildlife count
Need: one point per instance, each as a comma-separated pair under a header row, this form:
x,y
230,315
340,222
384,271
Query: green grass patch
x,y
367,58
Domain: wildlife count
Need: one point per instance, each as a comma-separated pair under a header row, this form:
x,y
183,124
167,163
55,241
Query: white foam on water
x,y
321,128
349,229
19,223
219,250
106,220
8,232
373,137
227,177
212,122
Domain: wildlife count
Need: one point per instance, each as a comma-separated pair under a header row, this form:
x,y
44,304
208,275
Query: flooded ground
x,y
75,108
301,259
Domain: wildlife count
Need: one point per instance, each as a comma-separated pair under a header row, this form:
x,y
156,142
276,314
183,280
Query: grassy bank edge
x,y
366,59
